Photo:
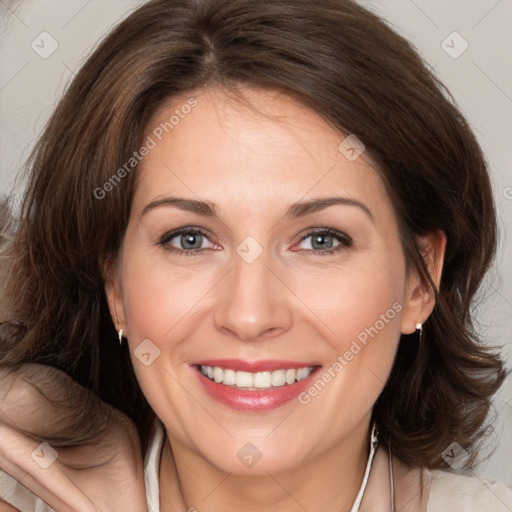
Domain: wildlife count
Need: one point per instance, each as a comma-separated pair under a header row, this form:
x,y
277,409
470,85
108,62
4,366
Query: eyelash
x,y
345,241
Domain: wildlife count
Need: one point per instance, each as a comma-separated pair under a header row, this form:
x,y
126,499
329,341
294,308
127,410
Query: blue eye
x,y
191,241
319,244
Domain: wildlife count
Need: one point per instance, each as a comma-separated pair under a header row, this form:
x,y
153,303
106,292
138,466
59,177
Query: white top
x,y
449,492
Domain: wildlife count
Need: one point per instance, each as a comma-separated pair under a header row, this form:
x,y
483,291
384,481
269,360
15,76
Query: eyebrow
x,y
296,210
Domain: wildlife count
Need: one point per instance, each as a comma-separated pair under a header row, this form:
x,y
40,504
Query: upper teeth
x,y
258,380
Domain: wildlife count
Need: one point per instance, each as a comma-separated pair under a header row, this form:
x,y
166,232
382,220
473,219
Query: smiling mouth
x,y
255,380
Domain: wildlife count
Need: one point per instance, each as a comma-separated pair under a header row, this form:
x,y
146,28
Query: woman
x,y
313,347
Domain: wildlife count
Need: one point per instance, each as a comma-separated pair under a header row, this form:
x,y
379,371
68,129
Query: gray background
x,y
480,79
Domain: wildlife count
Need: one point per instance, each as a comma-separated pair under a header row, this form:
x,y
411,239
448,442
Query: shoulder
x,y
451,491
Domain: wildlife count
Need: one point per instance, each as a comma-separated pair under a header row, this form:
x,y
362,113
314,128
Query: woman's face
x,y
247,290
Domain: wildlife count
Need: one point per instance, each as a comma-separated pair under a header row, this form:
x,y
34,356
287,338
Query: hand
x,y
99,463
5,507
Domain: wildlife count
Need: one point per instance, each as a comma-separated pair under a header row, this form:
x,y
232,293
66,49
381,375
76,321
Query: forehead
x,y
252,157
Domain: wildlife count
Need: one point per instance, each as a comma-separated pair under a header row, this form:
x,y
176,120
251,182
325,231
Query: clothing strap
x,y
374,442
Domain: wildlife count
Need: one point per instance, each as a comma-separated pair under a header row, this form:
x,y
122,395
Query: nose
x,y
254,301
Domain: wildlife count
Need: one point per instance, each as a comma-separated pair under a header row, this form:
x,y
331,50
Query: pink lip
x,y
257,401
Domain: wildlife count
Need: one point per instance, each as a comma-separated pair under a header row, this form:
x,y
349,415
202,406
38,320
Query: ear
x,y
419,299
113,292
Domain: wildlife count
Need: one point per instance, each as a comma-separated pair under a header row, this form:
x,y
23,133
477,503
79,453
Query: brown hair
x,y
350,67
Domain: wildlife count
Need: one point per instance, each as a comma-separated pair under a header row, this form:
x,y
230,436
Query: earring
x,y
120,336
419,327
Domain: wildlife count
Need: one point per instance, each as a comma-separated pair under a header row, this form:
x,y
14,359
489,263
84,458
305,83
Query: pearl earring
x,y
120,336
419,327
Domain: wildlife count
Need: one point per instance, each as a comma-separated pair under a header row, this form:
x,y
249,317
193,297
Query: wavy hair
x,y
350,67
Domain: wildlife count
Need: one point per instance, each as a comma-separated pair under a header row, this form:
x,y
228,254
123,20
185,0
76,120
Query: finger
x,y
40,472
45,403
5,507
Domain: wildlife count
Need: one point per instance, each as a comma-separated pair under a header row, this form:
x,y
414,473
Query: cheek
x,y
346,300
359,313
161,299
363,296
359,310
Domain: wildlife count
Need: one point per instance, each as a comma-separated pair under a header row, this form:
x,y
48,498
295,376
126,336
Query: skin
x,y
291,303
40,404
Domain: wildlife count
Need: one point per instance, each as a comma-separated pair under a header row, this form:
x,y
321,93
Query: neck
x,y
328,481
